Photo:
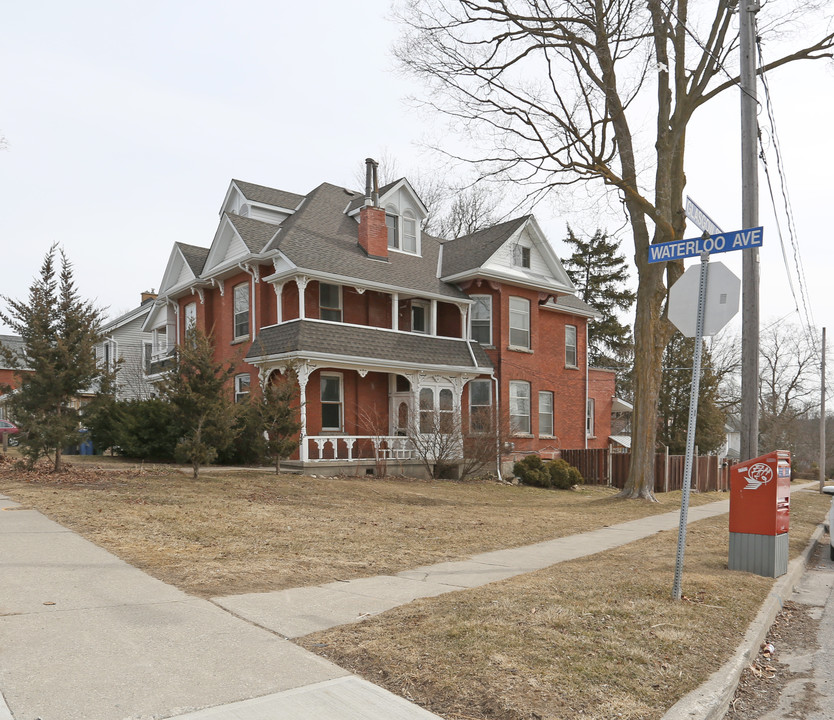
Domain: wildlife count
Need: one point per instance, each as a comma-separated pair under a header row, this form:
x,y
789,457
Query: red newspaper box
x,y
760,499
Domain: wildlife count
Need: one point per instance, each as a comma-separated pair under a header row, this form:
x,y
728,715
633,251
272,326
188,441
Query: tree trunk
x,y
651,333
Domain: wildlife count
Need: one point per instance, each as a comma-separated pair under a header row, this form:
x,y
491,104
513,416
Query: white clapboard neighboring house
x,y
128,345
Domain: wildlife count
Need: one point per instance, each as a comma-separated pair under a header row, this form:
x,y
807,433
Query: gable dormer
x,y
404,212
185,263
515,251
227,248
259,202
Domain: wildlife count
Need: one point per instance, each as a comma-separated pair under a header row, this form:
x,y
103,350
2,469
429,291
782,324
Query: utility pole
x,y
822,416
749,218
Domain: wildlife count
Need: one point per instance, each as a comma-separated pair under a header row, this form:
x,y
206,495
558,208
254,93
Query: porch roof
x,y
360,342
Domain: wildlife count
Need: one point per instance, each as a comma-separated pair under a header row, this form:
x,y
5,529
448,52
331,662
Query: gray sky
x,y
126,121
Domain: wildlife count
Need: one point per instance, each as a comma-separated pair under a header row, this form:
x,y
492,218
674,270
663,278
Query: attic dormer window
x,y
409,232
392,222
521,256
402,230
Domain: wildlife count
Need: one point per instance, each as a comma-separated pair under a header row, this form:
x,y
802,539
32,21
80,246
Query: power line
x,y
808,323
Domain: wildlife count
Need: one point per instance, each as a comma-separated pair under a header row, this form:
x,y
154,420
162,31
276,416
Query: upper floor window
x,y
520,322
392,222
330,302
110,354
480,323
147,356
403,231
570,345
419,317
241,387
521,256
409,243
241,310
520,407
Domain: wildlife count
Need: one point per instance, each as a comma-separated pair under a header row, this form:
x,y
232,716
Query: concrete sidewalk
x,y
85,635
300,611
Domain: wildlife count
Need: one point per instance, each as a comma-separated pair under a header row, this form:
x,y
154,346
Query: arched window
x,y
446,419
409,240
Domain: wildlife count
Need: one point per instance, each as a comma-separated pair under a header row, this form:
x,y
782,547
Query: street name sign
x,y
700,218
694,247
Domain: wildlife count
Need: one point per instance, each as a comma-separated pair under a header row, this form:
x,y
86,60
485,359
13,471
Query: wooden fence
x,y
602,467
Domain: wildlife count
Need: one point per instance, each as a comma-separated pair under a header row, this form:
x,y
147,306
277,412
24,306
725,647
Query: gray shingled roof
x,y
195,256
15,344
255,233
321,237
571,302
269,196
359,341
472,251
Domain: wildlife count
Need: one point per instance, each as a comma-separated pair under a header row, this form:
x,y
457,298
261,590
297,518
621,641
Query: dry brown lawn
x,y
598,637
228,533
595,638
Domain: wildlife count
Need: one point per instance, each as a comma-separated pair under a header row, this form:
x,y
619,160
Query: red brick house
x,y
384,323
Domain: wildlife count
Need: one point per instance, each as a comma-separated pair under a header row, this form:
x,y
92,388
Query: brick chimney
x,y
147,296
373,233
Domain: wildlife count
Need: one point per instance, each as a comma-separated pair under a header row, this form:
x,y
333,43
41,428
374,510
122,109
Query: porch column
x,y
301,282
279,308
303,373
395,311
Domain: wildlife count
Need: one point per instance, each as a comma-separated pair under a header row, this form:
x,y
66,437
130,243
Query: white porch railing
x,y
358,447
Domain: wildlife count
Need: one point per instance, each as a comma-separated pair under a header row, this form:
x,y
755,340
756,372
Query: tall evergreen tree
x,y
600,274
673,408
59,332
197,387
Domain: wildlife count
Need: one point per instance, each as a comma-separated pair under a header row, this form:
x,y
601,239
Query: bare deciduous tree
x,y
558,92
789,367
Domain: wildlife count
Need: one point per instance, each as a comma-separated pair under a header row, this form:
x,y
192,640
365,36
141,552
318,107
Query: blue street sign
x,y
725,242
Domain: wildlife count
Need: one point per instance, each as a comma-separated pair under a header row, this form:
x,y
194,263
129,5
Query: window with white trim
x,y
590,418
147,356
426,410
241,387
480,319
111,354
419,316
330,302
241,310
446,411
409,239
190,313
520,322
520,407
545,413
392,222
331,402
521,256
570,346
480,406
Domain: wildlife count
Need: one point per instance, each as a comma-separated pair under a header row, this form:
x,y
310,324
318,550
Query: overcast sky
x,y
125,122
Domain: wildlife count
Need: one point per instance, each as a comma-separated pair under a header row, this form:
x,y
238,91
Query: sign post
x,y
680,307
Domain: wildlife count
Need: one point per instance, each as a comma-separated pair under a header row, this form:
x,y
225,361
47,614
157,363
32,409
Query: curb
x,y
711,700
